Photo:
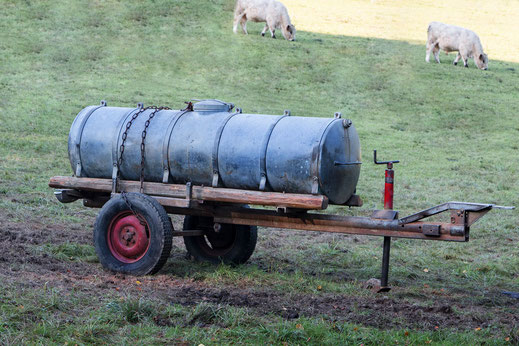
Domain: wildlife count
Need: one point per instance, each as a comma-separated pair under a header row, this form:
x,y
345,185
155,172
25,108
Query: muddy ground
x,y
22,265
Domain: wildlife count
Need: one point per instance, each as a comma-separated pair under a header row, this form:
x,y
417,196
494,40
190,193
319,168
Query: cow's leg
x,y
436,52
465,57
465,61
272,32
243,23
235,24
458,57
428,49
264,29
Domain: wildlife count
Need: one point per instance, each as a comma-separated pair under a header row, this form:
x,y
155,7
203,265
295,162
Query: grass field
x,y
454,129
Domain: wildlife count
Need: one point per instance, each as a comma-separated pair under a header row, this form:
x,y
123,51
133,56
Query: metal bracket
x,y
140,105
459,217
385,214
115,172
337,115
470,207
431,230
189,193
263,182
315,186
354,201
78,165
286,112
103,103
216,177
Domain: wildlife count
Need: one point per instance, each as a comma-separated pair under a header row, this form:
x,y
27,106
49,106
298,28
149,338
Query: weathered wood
x,y
290,200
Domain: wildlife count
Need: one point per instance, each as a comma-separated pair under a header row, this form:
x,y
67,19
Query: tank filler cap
x,y
212,106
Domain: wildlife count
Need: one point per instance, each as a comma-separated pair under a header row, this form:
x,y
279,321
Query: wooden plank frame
x,y
198,193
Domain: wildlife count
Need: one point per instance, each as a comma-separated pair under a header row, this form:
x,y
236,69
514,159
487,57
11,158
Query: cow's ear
x,y
289,28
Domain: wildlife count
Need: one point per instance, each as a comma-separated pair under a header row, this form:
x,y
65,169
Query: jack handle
x,y
388,163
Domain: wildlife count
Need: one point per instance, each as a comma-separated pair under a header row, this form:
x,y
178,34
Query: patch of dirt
x,y
21,265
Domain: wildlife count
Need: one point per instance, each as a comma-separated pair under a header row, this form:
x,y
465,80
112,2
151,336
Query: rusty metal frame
x,y
457,230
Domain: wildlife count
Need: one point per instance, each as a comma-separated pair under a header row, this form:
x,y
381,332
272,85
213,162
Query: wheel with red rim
x,y
137,241
231,244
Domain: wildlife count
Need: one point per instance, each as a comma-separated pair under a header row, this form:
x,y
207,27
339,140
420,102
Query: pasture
x,y
454,129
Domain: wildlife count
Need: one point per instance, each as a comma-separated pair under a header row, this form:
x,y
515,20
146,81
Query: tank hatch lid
x,y
212,106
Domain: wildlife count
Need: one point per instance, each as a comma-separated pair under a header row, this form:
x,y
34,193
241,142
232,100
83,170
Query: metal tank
x,y
212,145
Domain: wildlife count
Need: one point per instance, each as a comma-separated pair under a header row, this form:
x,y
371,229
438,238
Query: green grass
x,y
455,131
44,316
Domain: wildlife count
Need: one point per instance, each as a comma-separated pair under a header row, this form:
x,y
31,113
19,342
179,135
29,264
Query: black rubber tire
x,y
160,229
239,248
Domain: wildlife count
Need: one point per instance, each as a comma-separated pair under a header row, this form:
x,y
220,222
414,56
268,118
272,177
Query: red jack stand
x,y
388,205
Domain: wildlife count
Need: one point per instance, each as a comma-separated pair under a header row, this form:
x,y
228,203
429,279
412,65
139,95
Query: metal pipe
x,y
385,264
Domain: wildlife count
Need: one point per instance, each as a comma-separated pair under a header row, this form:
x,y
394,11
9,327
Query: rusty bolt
x,y
346,123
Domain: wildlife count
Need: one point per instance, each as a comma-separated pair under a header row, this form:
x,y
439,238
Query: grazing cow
x,y
272,12
450,38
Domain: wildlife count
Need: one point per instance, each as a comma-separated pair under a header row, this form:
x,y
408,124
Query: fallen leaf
x,y
425,285
477,329
355,329
140,289
426,270
406,333
117,288
507,338
464,272
138,282
299,326
428,341
21,307
319,287
436,327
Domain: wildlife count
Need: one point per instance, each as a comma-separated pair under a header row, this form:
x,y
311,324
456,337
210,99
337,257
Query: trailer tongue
x,y
133,233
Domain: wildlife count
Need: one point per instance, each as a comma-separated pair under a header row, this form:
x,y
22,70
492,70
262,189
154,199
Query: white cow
x,y
272,12
450,38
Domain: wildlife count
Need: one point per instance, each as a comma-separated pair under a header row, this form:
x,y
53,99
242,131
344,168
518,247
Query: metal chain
x,y
124,195
143,142
124,136
139,217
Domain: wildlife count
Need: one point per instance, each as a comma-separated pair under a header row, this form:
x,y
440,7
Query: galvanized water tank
x,y
213,146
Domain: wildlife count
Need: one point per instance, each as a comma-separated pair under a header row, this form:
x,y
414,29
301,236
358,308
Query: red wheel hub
x,y
128,239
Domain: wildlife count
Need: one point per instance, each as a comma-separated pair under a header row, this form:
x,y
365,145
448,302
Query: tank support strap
x,y
263,158
166,143
78,138
216,173
115,147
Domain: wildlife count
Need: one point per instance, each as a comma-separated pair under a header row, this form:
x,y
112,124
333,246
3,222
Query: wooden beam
x,y
201,193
